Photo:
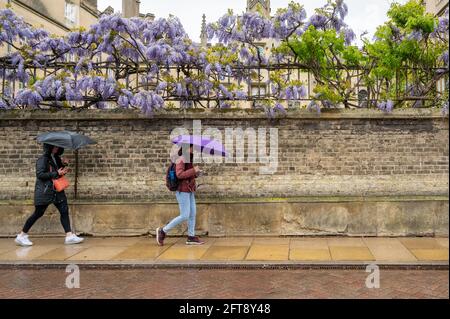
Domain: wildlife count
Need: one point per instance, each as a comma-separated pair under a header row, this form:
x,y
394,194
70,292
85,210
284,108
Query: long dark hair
x,y
48,149
191,154
180,151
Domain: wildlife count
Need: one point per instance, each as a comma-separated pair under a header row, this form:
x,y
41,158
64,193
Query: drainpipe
x,y
76,165
8,47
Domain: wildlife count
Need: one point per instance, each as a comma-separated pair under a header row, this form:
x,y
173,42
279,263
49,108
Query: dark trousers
x,y
63,209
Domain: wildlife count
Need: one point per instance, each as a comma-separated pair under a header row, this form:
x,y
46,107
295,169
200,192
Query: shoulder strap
x,y
54,161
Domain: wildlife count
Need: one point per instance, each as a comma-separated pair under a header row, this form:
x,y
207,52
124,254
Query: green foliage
x,y
404,49
405,41
324,92
412,16
331,61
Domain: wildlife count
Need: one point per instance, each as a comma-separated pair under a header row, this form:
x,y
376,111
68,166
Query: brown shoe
x,y
160,236
194,241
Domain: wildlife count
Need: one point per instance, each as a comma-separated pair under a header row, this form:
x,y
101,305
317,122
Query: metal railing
x,y
254,82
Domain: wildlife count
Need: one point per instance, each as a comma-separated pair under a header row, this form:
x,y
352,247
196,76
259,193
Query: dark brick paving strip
x,y
217,284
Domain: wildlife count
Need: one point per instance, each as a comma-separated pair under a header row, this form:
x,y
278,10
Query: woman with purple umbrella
x,y
186,173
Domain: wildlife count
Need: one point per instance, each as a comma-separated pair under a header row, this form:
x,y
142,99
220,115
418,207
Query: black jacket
x,y
44,193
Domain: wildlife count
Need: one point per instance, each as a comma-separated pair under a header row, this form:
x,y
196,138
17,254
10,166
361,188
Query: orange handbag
x,y
60,184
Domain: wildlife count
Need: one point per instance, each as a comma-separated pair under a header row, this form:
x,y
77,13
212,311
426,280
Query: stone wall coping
x,y
306,199
229,114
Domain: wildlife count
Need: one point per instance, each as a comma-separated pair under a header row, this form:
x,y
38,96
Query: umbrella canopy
x,y
65,139
206,144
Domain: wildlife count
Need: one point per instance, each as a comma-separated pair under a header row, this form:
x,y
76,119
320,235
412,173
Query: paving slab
x,y
184,252
27,253
98,253
301,254
420,243
345,253
389,249
268,252
431,254
226,253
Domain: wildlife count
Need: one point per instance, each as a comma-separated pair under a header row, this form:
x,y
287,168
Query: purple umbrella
x,y
207,144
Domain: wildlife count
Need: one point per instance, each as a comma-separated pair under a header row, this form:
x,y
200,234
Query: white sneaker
x,y
22,240
73,239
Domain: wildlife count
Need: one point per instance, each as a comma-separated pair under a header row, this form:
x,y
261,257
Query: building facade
x,y
257,87
132,8
262,6
56,17
436,7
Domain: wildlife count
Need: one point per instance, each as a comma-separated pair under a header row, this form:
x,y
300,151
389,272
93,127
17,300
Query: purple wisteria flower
x,y
29,97
280,108
386,106
318,21
3,104
445,108
240,95
313,106
349,36
444,58
342,8
295,92
225,92
416,35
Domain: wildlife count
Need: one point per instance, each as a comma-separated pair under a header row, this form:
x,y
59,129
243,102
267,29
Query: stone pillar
x,y
203,34
254,5
130,8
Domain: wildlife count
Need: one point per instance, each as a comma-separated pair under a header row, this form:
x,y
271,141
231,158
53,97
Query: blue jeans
x,y
188,212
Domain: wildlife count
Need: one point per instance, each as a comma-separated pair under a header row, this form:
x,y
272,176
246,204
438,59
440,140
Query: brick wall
x,y
359,153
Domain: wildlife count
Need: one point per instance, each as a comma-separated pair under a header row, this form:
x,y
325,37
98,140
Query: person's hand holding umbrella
x,y
65,161
198,171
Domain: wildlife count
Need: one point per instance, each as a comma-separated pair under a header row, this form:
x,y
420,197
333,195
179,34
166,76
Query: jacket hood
x,y
48,150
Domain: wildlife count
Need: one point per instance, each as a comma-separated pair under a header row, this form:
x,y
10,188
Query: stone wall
x,y
405,216
356,154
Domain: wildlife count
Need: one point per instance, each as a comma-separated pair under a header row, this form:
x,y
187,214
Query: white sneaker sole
x,y
73,242
22,244
194,244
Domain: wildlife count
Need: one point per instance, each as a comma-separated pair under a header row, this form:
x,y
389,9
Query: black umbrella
x,y
65,139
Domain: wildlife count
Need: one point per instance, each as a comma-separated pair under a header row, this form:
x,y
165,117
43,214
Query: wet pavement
x,y
222,284
231,250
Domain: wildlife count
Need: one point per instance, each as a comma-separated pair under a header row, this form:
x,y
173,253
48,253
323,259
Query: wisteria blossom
x,y
141,64
386,106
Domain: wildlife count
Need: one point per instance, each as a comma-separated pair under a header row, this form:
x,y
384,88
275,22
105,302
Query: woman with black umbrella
x,y
49,167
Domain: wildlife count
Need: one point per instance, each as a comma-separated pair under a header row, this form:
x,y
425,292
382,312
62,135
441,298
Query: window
x,y
363,96
261,48
441,86
258,90
71,12
70,57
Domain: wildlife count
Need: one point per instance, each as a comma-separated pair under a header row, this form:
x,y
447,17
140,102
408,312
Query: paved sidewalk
x,y
244,250
190,284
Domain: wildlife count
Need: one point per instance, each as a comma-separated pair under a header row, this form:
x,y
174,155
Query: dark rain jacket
x,y
44,193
